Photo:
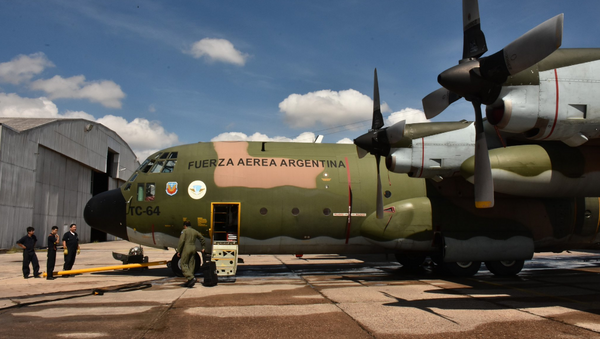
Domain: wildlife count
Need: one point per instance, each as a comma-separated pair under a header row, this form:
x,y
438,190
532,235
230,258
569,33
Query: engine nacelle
x,y
406,226
547,170
564,105
438,155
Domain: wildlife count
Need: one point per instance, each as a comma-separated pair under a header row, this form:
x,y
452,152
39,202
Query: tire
x,y
507,268
176,265
463,268
410,261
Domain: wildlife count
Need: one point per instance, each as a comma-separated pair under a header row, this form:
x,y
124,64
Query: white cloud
x,y
238,136
12,105
105,92
143,136
411,116
23,67
217,50
345,141
328,107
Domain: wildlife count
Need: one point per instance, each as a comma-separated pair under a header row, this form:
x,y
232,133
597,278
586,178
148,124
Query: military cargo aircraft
x,y
530,168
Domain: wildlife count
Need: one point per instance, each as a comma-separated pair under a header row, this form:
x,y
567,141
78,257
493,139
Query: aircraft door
x,y
225,224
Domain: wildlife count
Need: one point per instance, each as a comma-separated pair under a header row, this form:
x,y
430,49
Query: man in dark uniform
x,y
71,247
186,250
52,242
27,243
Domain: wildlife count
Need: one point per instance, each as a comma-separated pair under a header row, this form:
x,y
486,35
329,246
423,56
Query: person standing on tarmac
x,y
27,243
71,247
186,250
52,242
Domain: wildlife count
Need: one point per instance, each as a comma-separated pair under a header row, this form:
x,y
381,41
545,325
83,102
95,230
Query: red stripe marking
x,y
556,113
422,157
349,201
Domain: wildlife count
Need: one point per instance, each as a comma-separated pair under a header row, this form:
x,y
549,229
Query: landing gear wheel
x,y
175,265
462,268
410,261
505,268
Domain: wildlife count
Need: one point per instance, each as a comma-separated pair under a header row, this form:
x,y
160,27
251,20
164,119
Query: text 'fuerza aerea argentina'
x,y
266,162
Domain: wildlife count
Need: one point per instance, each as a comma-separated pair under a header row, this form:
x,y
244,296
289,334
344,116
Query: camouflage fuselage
x,y
320,198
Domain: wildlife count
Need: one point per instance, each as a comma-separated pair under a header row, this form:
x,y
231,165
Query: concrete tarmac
x,y
317,296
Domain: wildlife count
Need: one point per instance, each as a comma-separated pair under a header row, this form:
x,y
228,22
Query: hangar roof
x,y
23,124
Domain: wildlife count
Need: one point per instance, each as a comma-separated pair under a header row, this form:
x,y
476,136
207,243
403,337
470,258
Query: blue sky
x,y
163,73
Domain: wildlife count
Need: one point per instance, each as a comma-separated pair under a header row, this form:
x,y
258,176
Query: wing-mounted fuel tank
x,y
433,150
556,99
550,169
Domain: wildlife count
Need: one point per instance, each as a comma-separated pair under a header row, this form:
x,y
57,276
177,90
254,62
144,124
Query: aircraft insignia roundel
x,y
197,189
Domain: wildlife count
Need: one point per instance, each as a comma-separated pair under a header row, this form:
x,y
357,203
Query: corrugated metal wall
x,y
46,173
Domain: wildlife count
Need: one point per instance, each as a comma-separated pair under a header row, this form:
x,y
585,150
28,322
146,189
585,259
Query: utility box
x,y
225,257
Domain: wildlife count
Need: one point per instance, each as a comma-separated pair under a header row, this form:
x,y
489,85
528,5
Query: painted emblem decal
x,y
197,189
172,188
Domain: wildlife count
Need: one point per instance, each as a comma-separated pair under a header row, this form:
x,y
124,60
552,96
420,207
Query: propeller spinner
x,y
479,80
378,141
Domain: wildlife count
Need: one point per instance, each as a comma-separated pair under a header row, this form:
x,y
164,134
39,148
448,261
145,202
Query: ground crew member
x,y
71,247
186,250
52,243
27,243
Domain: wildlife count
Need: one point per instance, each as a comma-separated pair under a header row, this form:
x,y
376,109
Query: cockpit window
x,y
158,167
164,155
173,155
132,179
147,165
169,166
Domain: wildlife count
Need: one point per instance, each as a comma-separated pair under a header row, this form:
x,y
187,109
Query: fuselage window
x,y
158,167
295,211
169,166
327,211
150,191
263,211
140,192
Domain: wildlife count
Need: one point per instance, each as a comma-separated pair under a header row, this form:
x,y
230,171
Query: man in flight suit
x,y
186,250
27,243
71,247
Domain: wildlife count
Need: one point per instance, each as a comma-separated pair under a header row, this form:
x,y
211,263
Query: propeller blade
x,y
395,133
474,44
361,152
527,50
379,211
377,116
437,101
483,181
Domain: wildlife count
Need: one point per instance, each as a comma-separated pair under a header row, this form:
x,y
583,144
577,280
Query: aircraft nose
x,y
106,212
